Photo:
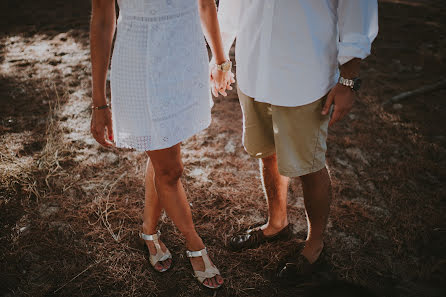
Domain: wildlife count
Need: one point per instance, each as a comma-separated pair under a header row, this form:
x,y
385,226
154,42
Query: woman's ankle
x,y
148,229
194,242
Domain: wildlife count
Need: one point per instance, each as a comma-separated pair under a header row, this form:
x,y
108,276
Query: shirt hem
x,y
312,99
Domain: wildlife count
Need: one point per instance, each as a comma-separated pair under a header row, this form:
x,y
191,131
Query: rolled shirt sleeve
x,y
229,14
358,27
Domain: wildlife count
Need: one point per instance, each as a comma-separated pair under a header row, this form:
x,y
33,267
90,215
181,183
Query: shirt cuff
x,y
343,59
353,46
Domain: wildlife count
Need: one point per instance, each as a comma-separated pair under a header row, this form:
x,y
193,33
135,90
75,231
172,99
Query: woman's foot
x,y
198,264
160,266
160,256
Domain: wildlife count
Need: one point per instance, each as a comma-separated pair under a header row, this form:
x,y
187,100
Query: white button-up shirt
x,y
288,51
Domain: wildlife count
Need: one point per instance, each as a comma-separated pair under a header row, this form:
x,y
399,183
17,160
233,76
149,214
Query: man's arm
x,y
358,27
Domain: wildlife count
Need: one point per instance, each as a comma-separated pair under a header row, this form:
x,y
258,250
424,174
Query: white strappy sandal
x,y
210,270
160,255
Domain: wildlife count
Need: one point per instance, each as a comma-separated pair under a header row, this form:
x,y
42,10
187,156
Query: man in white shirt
x,y
297,71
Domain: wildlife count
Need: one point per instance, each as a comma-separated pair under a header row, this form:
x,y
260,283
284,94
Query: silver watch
x,y
354,84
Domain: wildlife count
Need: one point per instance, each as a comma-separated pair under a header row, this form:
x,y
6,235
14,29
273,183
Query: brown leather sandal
x,y
253,238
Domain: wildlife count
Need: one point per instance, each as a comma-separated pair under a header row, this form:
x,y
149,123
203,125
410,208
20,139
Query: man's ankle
x,y
313,249
272,228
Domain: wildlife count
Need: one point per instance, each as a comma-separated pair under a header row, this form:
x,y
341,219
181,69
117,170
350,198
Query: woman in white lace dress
x,y
160,97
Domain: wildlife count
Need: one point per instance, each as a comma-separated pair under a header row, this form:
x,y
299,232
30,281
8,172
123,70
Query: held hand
x,y
342,97
101,127
220,81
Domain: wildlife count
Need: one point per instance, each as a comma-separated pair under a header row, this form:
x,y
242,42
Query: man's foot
x,y
312,250
303,265
255,237
199,265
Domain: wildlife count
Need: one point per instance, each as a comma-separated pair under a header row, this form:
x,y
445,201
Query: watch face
x,y
226,66
357,84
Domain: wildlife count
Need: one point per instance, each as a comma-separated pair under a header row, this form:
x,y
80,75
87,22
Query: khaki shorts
x,y
297,135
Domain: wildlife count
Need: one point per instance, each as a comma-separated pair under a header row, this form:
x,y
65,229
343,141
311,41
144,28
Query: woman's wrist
x,y
99,99
100,107
219,58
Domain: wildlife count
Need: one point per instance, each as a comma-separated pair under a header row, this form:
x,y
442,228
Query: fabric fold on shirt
x,y
297,45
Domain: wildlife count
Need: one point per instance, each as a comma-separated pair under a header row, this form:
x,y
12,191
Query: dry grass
x,y
71,210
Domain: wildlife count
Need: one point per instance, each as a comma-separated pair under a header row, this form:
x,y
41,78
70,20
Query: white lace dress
x,y
159,74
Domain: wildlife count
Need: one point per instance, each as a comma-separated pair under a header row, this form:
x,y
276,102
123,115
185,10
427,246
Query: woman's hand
x,y
101,127
220,81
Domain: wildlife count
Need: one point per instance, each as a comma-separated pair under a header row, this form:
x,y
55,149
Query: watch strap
x,y
225,66
354,83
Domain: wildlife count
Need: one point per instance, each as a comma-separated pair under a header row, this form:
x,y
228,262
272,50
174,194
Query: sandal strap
x,y
160,255
208,273
209,269
150,237
194,254
153,237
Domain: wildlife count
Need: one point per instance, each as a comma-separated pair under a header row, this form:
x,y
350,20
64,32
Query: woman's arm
x,y
229,15
102,29
211,29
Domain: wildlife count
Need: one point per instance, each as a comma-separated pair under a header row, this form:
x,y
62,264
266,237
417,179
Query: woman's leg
x,y
168,169
152,212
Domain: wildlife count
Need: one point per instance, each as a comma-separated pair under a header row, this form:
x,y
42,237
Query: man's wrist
x,y
350,70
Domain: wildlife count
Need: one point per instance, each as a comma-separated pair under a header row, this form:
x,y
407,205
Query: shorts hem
x,y
301,172
260,155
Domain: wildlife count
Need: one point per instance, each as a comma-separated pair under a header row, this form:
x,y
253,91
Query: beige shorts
x,y
298,135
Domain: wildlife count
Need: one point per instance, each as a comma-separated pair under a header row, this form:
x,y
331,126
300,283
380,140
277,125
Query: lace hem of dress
x,y
146,143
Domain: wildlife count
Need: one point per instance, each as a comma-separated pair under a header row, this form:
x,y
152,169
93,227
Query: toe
x,y
206,282
219,279
166,264
158,266
213,282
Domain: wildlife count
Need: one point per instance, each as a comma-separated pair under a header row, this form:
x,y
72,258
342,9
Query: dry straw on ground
x,y
71,210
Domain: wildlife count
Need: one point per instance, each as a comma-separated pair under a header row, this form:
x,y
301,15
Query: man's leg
x,y
301,145
317,198
258,140
275,187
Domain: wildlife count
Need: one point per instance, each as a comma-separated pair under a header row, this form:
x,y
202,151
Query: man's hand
x,y
342,97
101,125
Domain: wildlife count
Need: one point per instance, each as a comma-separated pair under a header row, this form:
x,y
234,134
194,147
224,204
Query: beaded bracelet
x,y
100,107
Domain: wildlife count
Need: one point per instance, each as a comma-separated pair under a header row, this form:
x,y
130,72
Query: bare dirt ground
x,y
70,211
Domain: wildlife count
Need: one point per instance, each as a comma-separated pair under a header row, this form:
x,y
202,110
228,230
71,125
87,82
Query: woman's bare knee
x,y
169,175
167,165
